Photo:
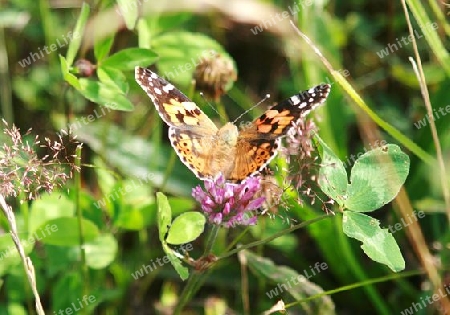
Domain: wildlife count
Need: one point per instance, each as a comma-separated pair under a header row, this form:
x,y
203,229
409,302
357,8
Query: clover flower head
x,y
230,204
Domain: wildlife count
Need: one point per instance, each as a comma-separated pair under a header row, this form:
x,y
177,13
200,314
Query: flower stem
x,y
272,237
195,277
211,239
188,291
77,178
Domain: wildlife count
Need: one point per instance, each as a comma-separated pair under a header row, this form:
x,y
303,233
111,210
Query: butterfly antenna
x,y
259,103
209,104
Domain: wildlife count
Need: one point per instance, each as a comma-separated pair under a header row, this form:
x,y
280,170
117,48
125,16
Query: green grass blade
x,y
431,35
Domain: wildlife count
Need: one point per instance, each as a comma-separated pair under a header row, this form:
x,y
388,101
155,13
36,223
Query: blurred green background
x,y
69,63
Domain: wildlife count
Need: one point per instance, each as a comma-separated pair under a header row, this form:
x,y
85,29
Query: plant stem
x,y
272,237
27,263
192,284
77,178
211,239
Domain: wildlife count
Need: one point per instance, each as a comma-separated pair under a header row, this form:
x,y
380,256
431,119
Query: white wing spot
x,y
154,75
167,88
295,99
190,105
157,91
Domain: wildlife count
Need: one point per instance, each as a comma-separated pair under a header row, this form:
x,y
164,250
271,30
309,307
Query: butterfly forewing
x,y
277,120
175,108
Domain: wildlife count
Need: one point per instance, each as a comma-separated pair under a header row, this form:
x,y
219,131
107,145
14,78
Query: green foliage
x,y
186,228
164,221
133,208
67,234
298,283
79,29
375,180
378,244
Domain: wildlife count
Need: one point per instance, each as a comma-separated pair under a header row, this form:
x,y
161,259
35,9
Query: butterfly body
x,y
207,150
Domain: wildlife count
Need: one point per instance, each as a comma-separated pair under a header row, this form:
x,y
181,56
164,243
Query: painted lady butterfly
x,y
208,151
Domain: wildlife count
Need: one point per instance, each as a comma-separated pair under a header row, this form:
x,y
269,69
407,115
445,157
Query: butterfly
x,y
209,151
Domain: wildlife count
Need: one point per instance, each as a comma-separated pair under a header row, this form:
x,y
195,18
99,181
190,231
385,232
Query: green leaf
x,y
135,217
77,34
172,20
376,178
67,231
164,215
129,11
47,208
68,77
114,78
94,214
101,251
106,178
127,59
149,27
297,284
138,207
9,255
179,64
15,286
68,287
430,33
102,48
105,95
182,271
16,309
186,228
378,244
60,258
181,205
332,174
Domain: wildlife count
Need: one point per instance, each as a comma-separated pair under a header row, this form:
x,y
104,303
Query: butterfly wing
x,y
191,132
175,108
258,144
252,156
193,150
276,121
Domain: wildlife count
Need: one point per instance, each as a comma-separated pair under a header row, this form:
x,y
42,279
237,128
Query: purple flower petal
x,y
229,204
217,218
